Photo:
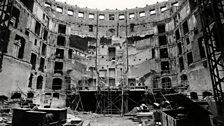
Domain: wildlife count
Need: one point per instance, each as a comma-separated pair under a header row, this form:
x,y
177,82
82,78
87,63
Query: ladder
x,y
109,103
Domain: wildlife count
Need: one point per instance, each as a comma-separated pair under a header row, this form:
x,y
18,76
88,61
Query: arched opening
x,y
39,82
16,96
166,82
57,84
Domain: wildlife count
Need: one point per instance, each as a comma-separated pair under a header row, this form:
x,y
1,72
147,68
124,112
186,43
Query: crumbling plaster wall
x,y
14,77
141,49
16,71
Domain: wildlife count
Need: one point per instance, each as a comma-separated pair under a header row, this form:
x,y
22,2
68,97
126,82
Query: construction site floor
x,y
108,120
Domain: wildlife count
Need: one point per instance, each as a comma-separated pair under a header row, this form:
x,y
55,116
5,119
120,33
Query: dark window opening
x,y
179,46
161,28
61,41
62,28
29,4
44,49
45,34
30,95
162,40
37,28
196,31
181,63
183,78
20,41
188,41
105,41
166,82
206,93
185,27
70,51
59,53
39,82
112,53
57,84
30,81
58,67
164,53
56,95
153,53
165,66
68,80
35,42
132,27
194,95
33,60
189,58
201,48
111,17
16,96
155,82
177,34
90,28
27,32
42,64
80,42
15,17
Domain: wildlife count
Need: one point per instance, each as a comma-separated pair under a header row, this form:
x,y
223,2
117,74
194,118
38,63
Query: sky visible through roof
x,y
111,4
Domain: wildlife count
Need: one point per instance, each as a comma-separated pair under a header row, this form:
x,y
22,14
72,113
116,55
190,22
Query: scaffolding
x,y
212,14
119,100
6,8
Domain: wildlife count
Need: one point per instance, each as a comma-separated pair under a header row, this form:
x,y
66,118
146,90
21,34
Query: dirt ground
x,y
108,120
113,121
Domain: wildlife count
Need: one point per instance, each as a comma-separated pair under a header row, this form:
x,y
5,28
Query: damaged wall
x,y
59,41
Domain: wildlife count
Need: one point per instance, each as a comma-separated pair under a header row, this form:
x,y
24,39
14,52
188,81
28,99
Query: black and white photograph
x,y
111,62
